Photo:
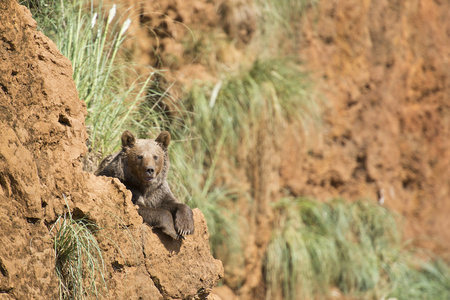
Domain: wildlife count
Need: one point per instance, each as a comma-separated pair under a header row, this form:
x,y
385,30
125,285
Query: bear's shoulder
x,y
111,165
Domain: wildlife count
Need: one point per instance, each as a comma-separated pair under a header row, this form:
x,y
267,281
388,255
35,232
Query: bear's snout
x,y
150,171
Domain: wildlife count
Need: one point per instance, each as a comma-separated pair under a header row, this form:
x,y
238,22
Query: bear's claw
x,y
184,223
182,233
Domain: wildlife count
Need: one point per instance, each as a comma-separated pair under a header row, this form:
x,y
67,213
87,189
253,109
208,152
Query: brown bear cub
x,y
142,166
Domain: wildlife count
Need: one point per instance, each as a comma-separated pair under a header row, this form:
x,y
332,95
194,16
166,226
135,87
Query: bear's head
x,y
147,159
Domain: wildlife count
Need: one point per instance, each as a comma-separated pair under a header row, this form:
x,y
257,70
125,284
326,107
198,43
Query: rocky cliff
x,y
42,139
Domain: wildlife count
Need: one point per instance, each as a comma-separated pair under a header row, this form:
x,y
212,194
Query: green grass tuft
x,y
352,246
79,262
271,91
93,41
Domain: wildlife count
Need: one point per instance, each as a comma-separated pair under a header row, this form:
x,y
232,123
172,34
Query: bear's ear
x,y
163,139
128,139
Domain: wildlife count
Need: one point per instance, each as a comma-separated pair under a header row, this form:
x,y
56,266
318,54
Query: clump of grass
x,y
352,246
419,279
79,263
92,40
270,91
92,45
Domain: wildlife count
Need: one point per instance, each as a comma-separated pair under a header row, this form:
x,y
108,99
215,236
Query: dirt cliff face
x,y
385,69
42,138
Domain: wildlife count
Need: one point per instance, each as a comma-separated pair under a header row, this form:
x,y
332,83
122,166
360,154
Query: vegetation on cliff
x,y
79,262
355,247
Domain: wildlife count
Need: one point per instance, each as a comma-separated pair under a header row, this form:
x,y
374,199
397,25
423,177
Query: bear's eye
x,y
155,157
140,156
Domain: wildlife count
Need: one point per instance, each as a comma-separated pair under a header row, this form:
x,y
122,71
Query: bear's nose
x,y
150,170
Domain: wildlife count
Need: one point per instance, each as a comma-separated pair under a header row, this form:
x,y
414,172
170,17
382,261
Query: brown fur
x,y
142,166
